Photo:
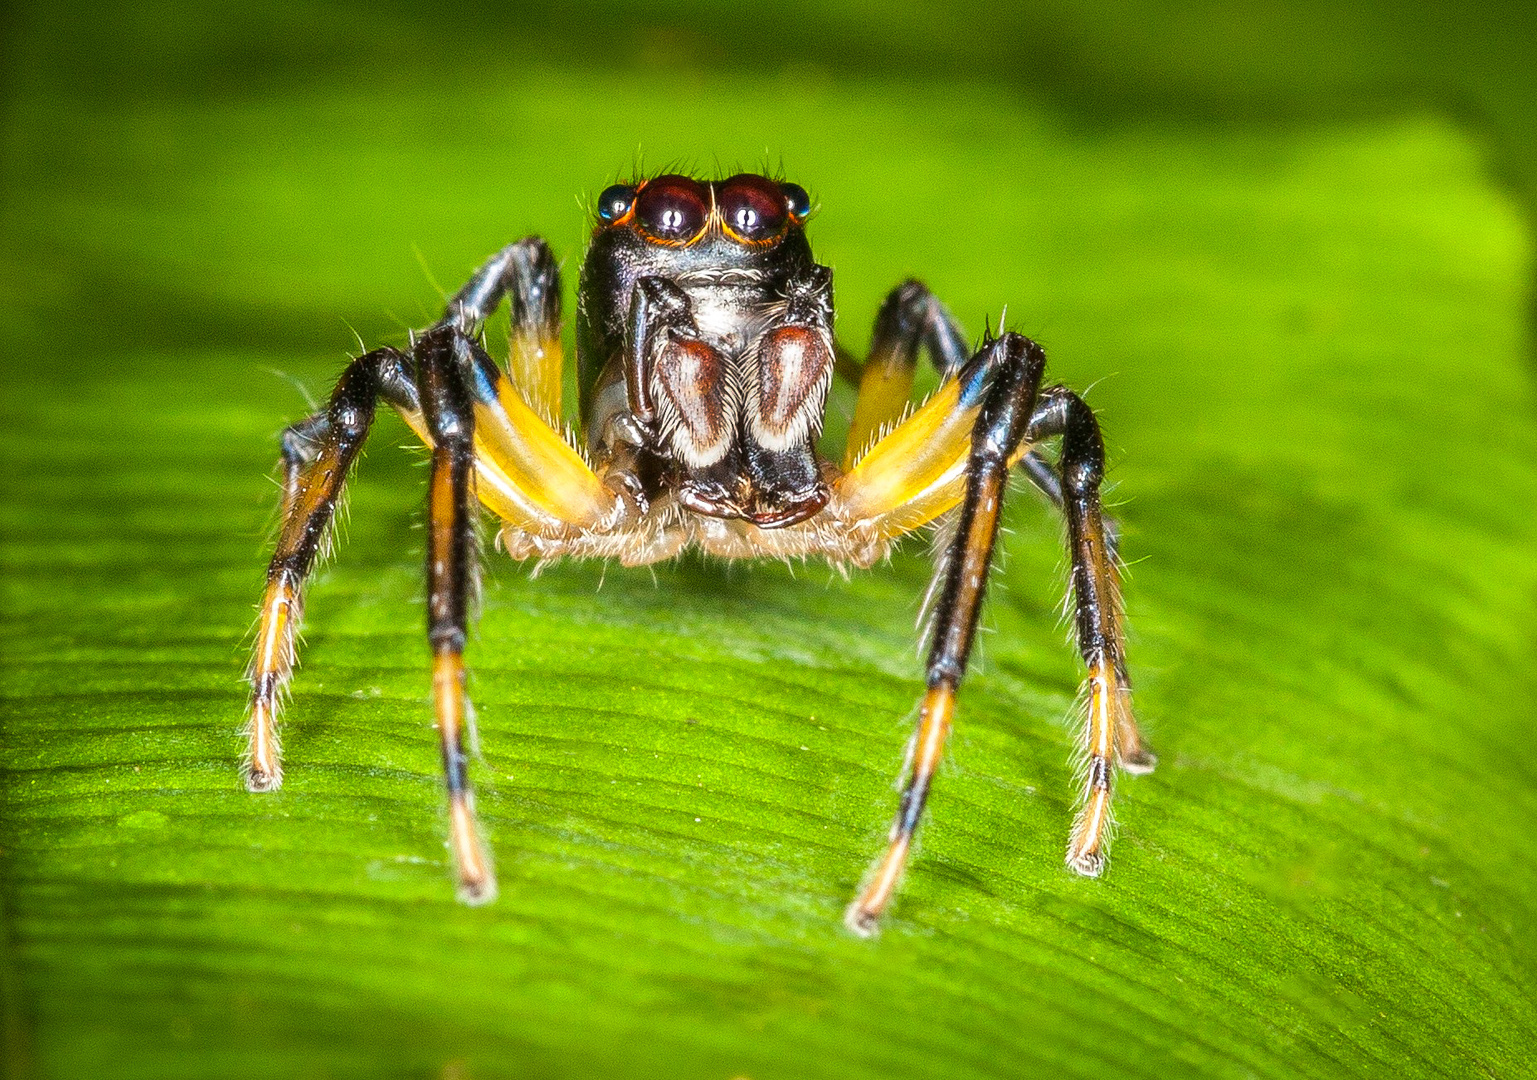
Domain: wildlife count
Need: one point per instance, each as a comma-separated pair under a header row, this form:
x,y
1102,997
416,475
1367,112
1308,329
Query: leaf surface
x,y
1308,349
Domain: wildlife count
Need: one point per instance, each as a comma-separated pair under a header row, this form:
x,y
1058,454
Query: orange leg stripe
x,y
441,514
864,913
1085,852
477,882
270,670
265,771
318,484
447,691
933,728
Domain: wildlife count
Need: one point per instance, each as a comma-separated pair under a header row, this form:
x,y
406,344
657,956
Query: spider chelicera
x,y
705,353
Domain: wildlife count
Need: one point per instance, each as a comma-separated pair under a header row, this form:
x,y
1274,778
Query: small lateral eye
x,y
615,202
673,208
754,207
799,200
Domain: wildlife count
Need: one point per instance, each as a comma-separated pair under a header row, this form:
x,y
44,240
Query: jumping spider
x,y
705,352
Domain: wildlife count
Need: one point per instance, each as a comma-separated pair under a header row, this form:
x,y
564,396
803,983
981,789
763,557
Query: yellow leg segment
x,y
914,468
917,472
271,666
537,365
910,317
309,499
884,389
1085,851
1110,735
527,474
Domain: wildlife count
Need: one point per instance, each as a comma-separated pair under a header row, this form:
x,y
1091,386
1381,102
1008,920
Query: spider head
x,y
678,211
702,307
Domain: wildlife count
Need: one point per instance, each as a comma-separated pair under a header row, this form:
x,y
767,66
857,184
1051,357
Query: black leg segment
x,y
527,275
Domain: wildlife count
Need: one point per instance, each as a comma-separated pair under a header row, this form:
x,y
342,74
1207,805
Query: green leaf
x,y
1308,346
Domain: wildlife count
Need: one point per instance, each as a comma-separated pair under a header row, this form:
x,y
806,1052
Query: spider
x,y
705,353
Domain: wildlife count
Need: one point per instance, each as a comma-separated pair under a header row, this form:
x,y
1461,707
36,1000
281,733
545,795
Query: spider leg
x,y
917,471
528,474
527,274
1110,729
1007,400
910,316
487,443
452,570
486,440
317,454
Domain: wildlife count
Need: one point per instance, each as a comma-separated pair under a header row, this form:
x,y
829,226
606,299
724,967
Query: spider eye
x,y
754,207
673,208
615,202
799,200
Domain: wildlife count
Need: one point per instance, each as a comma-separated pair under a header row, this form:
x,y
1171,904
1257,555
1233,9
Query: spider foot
x,y
477,881
258,779
1090,862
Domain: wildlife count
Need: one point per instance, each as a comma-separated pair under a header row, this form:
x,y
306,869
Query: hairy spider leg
x,y
910,316
527,474
921,470
917,471
317,454
486,441
999,385
1110,733
452,579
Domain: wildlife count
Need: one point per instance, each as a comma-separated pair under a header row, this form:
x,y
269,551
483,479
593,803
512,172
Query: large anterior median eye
x,y
672,208
753,207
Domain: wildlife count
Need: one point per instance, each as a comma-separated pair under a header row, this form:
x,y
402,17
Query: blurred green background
x,y
1287,247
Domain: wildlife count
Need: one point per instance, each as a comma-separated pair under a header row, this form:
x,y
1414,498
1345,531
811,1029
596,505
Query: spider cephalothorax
x,y
705,353
733,323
